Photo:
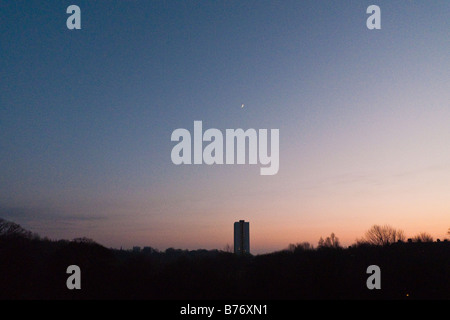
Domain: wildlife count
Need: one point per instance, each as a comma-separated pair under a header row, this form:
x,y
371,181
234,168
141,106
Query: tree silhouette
x,y
11,229
423,237
383,235
330,242
300,246
84,240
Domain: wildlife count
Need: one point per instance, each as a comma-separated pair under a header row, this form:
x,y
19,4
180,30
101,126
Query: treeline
x,y
35,268
377,235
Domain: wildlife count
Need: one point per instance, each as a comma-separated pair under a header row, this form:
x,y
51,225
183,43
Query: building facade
x,y
241,237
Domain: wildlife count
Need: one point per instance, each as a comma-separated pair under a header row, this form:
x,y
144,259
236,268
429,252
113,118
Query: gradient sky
x,y
86,118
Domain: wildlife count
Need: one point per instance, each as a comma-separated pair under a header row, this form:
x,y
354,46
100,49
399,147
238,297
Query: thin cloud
x,y
32,214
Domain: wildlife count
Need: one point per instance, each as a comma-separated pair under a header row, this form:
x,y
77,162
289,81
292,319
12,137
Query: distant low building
x,y
148,250
136,249
241,237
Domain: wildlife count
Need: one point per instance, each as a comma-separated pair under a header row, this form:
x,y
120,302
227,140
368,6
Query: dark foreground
x,y
36,269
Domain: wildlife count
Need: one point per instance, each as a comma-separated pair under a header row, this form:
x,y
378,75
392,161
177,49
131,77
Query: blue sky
x,y
86,118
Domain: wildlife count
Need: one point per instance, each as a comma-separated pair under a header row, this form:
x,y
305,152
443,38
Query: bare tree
x,y
84,240
330,242
422,237
300,246
11,229
383,235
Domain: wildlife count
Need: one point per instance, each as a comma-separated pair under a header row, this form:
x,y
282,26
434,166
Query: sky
x,y
86,118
